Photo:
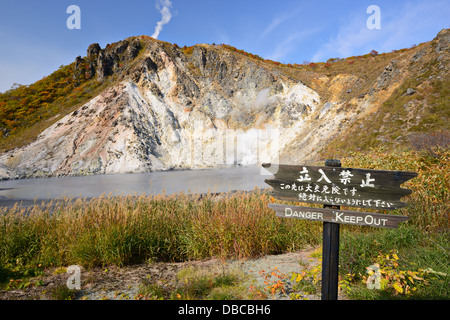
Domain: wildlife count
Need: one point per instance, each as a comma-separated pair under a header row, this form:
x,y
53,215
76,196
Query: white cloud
x,y
409,24
276,22
349,37
164,8
290,44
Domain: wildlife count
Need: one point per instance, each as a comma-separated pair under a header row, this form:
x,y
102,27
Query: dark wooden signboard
x,y
337,186
334,186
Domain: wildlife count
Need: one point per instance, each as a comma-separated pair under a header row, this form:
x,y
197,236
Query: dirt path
x,y
123,283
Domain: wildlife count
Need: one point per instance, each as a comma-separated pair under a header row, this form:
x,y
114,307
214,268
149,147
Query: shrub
x,y
430,141
188,50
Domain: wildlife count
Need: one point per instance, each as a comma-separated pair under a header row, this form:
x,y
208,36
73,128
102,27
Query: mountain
x,y
141,105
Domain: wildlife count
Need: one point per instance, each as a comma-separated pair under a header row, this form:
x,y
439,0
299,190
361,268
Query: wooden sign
x,y
334,186
337,186
338,216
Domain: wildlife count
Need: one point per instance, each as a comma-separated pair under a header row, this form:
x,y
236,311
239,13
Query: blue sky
x,y
35,41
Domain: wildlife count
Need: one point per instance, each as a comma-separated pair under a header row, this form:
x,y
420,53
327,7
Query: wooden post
x,y
332,186
330,251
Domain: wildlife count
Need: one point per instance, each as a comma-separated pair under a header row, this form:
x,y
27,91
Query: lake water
x,y
170,182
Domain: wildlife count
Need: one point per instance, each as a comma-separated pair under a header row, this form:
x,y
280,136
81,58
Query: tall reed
x,y
123,230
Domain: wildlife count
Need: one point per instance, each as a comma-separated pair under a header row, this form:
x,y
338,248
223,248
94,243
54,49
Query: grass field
x,y
126,230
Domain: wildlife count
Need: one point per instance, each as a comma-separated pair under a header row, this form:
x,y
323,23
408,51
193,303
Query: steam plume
x,y
164,7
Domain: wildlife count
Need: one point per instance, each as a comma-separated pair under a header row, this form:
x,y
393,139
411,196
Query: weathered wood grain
x,y
364,188
382,177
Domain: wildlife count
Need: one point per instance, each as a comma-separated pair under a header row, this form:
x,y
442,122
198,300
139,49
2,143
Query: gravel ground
x,y
115,283
282,265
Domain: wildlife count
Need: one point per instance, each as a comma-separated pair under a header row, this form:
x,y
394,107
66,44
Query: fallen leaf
x,y
398,287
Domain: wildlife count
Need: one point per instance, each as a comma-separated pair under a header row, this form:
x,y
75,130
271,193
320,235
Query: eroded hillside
x,y
141,104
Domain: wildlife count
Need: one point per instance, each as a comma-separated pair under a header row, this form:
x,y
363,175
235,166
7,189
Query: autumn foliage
x,y
25,105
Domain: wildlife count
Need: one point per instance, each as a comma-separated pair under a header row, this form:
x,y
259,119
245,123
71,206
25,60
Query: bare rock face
x,y
172,111
390,71
443,40
105,62
93,50
207,106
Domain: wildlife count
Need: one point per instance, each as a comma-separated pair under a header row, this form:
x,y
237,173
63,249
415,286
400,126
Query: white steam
x,y
164,7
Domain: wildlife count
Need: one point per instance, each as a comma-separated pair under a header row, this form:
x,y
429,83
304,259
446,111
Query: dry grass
x,y
124,230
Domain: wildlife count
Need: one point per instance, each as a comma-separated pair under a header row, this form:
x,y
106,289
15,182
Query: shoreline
x,y
27,203
162,182
90,174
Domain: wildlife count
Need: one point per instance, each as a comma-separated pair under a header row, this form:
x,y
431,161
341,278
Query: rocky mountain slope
x,y
159,106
